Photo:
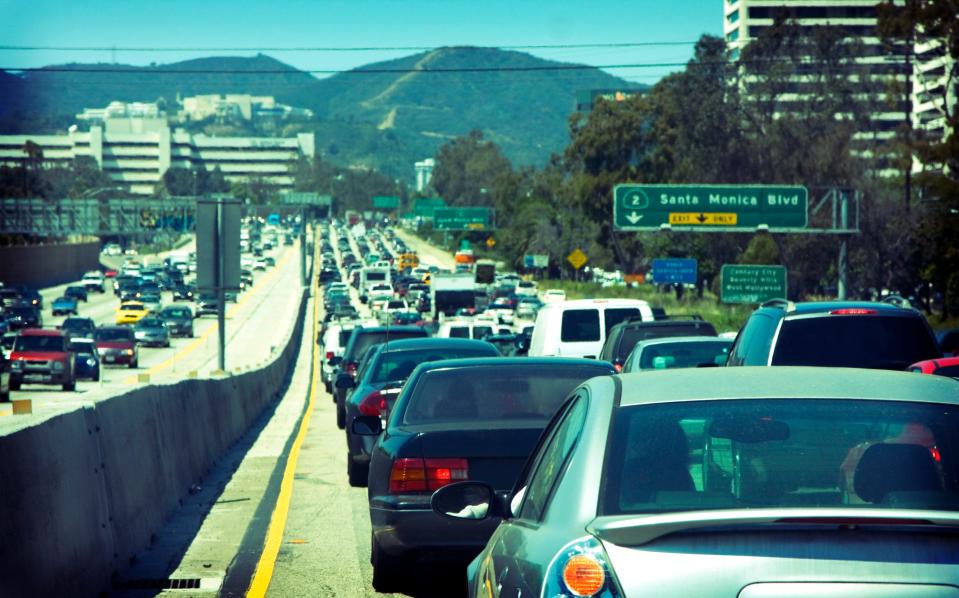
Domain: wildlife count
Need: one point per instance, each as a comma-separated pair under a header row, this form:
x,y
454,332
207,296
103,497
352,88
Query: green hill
x,y
384,115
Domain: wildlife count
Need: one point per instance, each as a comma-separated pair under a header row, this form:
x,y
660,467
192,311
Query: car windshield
x,y
878,342
396,366
39,343
663,356
131,307
782,453
150,323
77,324
113,334
492,393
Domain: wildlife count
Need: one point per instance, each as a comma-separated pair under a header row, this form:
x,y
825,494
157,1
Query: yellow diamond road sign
x,y
490,242
577,258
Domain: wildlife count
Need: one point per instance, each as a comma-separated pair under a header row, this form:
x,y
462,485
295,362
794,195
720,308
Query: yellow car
x,y
130,312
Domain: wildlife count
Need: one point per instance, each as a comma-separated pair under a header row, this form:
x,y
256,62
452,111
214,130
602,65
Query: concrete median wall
x,y
83,492
40,266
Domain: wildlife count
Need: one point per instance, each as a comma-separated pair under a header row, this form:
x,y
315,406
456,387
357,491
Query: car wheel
x,y
14,385
96,376
340,417
328,386
388,570
357,474
5,396
70,386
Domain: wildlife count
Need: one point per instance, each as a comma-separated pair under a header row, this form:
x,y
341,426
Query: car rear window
x,y
782,453
375,276
459,332
580,325
631,336
113,334
51,344
615,315
872,341
493,393
948,370
365,340
684,355
396,366
481,331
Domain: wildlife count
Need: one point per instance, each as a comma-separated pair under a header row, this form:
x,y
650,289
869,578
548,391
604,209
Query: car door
x,y
520,549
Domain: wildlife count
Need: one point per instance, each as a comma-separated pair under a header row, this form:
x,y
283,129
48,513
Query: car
x,y
86,362
207,304
578,328
380,378
857,334
621,338
456,420
42,357
361,339
728,482
116,345
64,305
503,309
183,292
178,320
32,297
79,327
151,301
6,343
333,341
259,263
23,315
945,366
130,312
246,277
77,292
9,297
677,352
151,331
465,328
554,295
4,378
269,260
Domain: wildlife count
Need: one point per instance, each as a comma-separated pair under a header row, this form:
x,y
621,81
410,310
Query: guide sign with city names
x,y
751,284
714,208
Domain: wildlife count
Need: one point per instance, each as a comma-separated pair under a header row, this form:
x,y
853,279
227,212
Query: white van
x,y
371,276
578,328
465,328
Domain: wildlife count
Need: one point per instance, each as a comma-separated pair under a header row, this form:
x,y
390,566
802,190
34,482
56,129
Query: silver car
x,y
677,352
740,482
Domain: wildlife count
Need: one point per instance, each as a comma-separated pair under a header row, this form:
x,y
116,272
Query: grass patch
x,y
723,317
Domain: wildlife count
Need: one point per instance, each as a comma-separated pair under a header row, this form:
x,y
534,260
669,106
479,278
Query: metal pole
x,y
220,294
844,223
305,282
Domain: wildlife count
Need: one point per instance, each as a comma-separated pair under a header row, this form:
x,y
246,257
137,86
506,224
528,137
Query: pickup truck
x,y
42,357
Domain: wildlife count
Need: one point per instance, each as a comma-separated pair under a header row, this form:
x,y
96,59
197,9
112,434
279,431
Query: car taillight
x,y
373,404
618,367
351,368
422,475
329,355
583,575
852,311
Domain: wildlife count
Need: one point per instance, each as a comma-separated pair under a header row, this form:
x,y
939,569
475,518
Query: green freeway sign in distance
x,y
473,218
424,206
386,202
709,207
752,284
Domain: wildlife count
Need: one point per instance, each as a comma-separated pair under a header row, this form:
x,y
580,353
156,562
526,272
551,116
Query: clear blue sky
x,y
354,23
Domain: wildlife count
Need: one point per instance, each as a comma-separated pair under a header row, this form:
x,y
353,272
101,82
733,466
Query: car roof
x,y
665,340
696,384
813,307
410,344
40,332
369,329
529,362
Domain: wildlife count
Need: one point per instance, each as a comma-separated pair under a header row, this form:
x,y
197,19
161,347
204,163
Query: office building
x,y
424,173
136,152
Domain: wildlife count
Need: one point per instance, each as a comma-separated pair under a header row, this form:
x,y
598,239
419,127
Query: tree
x,y
465,167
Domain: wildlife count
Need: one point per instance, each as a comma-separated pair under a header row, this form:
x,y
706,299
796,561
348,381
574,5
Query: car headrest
x,y
886,468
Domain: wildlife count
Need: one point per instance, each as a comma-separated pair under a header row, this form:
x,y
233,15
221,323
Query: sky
x,y
301,32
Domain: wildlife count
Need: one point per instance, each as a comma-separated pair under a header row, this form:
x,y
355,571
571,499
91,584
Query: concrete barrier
x,y
40,266
81,493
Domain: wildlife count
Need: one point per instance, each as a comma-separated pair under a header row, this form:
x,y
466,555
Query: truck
x,y
373,275
450,292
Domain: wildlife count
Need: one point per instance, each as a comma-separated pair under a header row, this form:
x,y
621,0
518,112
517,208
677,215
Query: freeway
x,y
255,327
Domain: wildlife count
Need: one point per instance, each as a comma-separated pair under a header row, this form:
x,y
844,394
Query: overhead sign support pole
x,y
218,257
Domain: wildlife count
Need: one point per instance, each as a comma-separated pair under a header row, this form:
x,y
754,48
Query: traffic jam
x,y
82,333
541,444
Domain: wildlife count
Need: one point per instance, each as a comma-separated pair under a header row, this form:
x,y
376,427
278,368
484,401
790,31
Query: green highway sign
x,y
308,199
386,202
473,218
718,208
751,284
424,206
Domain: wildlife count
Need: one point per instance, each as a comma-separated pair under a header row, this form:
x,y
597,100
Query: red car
x,y
42,357
117,345
944,366
110,273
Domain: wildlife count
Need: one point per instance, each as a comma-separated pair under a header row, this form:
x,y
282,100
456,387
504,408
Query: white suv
x,y
93,281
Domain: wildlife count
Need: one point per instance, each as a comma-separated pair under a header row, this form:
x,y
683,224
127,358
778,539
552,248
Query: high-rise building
x,y
424,172
136,152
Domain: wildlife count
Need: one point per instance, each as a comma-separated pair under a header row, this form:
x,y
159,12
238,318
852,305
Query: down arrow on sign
x,y
633,217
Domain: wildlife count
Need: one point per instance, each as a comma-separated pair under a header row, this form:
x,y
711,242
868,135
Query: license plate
x,y
109,358
35,378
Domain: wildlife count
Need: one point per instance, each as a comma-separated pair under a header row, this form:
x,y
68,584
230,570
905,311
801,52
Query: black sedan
x,y
382,374
456,420
183,292
77,292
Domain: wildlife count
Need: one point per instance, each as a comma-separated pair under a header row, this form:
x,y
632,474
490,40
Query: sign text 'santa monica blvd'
x,y
709,207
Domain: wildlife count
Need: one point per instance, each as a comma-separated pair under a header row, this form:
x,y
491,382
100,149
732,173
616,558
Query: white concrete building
x,y
121,110
424,173
237,106
136,152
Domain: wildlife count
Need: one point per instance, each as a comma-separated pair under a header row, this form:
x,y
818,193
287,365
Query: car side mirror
x,y
366,425
345,382
465,500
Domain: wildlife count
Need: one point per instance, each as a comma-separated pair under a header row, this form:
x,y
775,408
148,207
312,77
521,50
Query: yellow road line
x,y
195,344
274,535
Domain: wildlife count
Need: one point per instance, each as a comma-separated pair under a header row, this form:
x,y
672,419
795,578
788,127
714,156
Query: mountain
x,y
384,115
